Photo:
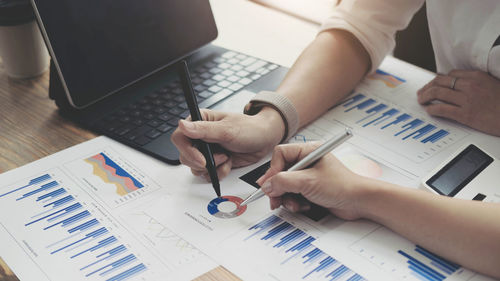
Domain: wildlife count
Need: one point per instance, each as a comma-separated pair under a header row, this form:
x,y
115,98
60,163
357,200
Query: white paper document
x,y
252,242
72,216
390,126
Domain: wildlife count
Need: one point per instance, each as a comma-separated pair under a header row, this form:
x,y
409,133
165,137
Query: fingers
x,y
443,81
446,95
295,203
286,155
209,131
223,164
445,110
189,155
220,160
294,182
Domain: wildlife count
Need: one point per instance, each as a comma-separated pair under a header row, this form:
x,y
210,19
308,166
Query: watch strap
x,y
281,104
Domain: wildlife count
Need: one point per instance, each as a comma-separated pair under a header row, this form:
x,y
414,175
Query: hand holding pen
x,y
310,176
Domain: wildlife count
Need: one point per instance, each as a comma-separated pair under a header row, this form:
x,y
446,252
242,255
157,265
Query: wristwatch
x,y
281,104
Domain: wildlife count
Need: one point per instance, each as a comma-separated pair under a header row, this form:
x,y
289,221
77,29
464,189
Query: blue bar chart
x,y
405,260
69,231
402,130
291,247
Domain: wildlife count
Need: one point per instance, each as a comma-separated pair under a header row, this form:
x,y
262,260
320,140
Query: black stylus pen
x,y
192,104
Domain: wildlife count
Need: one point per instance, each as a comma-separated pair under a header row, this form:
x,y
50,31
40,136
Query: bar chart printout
x,y
405,260
289,253
66,234
413,135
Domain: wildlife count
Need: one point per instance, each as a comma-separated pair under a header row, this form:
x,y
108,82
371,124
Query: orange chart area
x,y
390,80
112,173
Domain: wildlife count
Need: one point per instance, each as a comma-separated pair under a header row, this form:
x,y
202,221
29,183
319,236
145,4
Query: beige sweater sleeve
x,y
373,22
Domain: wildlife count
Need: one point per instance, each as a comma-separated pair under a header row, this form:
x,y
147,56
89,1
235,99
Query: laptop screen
x,y
101,46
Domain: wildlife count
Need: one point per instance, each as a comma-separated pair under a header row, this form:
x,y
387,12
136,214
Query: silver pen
x,y
307,161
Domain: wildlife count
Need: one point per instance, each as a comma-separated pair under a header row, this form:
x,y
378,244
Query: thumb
x,y
209,131
295,182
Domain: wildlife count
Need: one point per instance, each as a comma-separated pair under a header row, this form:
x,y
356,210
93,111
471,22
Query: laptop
x,y
113,66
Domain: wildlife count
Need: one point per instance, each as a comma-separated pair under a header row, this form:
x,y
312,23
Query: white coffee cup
x,y
23,50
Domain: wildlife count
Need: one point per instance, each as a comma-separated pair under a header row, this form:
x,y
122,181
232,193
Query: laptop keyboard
x,y
159,112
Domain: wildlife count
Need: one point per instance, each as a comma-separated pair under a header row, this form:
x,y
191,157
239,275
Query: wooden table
x,y
31,128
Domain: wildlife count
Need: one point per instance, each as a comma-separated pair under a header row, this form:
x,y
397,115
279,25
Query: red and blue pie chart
x,y
216,211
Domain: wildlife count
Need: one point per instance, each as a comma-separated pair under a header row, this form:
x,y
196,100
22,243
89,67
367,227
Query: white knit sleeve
x,y
373,22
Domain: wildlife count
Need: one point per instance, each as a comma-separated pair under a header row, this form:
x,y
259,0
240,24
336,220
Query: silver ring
x,y
453,82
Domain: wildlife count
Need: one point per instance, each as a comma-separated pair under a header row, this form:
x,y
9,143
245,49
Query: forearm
x,y
466,232
326,71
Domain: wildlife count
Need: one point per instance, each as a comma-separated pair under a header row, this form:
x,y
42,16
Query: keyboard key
x,y
209,82
165,117
200,69
170,103
177,91
197,80
146,107
224,65
183,105
200,88
142,140
162,91
228,54
235,87
184,114
215,70
215,98
233,61
139,131
154,123
233,78
173,122
214,89
245,81
122,131
255,76
179,99
159,110
241,56
125,119
242,73
157,101
112,126
227,72
153,134
236,67
272,66
218,77
248,61
256,65
148,116
164,128
135,113
205,94
168,96
175,111
205,75
138,122
223,84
